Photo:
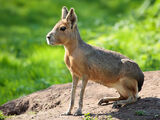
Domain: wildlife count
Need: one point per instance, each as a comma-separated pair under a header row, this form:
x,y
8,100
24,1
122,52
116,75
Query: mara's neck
x,y
74,43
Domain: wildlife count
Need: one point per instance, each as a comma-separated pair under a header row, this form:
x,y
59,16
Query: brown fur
x,y
87,62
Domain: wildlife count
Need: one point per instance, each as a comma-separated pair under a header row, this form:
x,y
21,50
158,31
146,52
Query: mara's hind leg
x,y
128,88
120,103
106,100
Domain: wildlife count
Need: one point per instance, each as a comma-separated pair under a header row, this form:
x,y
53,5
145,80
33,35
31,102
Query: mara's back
x,y
106,66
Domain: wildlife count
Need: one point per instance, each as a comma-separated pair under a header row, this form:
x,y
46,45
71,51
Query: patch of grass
x,y
157,116
140,113
2,116
88,116
108,117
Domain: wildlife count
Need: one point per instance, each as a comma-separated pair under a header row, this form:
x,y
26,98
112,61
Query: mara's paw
x,y
116,105
103,102
138,98
67,113
78,112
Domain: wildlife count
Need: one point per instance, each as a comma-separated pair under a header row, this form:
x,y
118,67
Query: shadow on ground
x,y
146,109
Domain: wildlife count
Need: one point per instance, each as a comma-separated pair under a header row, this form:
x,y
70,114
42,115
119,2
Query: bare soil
x,y
51,103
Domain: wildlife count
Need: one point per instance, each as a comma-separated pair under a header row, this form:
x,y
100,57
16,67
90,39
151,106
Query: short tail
x,y
134,71
140,81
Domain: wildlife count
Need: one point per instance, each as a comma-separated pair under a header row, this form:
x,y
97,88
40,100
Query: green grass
x,y
140,113
28,64
2,117
88,116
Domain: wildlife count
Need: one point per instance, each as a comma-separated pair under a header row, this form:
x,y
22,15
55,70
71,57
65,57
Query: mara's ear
x,y
71,17
64,12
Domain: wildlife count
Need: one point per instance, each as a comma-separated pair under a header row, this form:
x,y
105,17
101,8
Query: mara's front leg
x,y
84,83
74,85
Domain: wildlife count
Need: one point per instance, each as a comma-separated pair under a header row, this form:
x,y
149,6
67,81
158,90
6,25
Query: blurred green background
x,y
28,64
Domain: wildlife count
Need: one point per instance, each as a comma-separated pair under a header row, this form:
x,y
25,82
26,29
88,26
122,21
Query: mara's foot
x,y
67,113
116,105
103,102
78,112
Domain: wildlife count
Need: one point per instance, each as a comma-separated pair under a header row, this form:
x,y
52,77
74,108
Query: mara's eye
x,y
63,28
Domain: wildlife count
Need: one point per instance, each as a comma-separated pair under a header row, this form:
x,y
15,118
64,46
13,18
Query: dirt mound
x,y
50,103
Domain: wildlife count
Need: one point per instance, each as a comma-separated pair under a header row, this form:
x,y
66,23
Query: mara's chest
x,y
75,65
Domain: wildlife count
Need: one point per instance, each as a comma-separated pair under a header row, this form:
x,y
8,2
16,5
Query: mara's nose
x,y
48,36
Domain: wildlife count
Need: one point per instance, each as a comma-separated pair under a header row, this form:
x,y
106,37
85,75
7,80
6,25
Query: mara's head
x,y
64,31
